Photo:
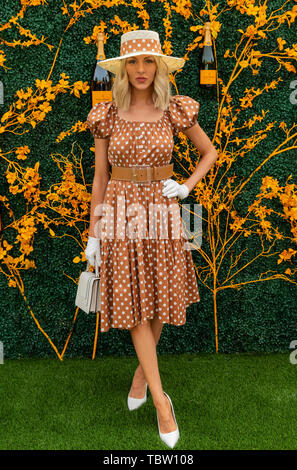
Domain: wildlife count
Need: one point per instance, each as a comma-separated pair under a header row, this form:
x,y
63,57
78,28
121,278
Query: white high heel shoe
x,y
134,403
170,438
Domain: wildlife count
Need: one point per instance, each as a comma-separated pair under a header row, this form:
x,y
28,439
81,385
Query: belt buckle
x,y
135,174
146,172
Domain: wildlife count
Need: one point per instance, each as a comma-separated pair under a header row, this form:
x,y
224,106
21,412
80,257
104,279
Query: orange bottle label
x,y
99,96
208,77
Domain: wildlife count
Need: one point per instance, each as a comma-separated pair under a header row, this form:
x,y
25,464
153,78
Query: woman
x,y
145,281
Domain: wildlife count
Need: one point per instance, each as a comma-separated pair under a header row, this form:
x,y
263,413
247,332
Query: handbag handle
x,y
96,268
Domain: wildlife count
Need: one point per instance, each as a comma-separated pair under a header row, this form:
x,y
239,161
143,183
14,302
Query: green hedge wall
x,y
261,316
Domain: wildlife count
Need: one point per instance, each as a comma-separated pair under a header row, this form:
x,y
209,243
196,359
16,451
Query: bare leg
x,y
137,389
145,347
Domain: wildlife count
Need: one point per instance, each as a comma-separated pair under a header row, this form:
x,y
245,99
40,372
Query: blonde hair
x,y
121,88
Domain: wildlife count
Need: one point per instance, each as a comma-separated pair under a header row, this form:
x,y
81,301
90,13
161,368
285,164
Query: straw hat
x,y
139,42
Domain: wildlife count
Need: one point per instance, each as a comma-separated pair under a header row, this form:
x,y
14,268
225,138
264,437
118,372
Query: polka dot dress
x,y
145,272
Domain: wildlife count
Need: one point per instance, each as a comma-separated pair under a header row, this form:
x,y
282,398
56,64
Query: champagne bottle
x,y
101,81
208,72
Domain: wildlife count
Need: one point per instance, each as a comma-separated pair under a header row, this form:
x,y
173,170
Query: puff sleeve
x,y
100,119
183,112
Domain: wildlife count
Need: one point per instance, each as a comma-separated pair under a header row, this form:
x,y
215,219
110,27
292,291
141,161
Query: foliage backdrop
x,y
47,52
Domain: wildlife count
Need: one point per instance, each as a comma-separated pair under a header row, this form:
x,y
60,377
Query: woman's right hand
x,y
92,251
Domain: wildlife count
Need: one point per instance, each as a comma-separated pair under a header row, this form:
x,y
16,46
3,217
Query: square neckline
x,y
139,122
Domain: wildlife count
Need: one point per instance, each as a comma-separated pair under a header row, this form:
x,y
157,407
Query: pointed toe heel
x,y
170,438
134,403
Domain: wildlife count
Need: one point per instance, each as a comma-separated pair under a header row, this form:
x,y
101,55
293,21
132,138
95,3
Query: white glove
x,y
172,188
92,251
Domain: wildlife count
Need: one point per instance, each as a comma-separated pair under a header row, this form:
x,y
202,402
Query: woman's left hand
x,y
172,188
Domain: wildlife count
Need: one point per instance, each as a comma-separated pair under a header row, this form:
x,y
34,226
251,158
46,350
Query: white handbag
x,y
88,291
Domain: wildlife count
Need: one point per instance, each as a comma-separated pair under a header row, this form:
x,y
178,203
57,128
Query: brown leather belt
x,y
140,173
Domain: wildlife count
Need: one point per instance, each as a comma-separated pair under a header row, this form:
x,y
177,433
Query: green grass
x,y
234,401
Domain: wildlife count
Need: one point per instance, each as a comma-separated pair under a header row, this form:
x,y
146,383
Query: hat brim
x,y
113,64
